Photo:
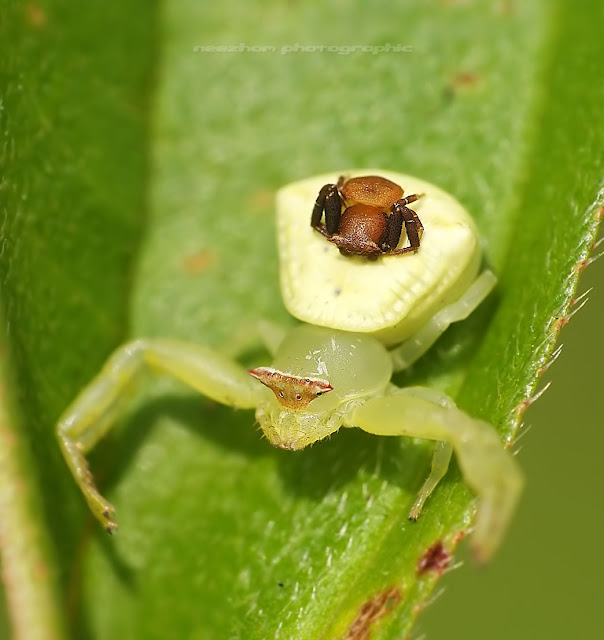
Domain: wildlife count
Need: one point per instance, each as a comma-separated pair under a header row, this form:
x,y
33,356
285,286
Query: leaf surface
x,y
222,536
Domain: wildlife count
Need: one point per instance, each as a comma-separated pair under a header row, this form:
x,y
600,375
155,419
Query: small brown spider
x,y
364,216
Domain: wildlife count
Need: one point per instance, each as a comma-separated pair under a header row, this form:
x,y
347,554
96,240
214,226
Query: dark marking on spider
x,y
293,392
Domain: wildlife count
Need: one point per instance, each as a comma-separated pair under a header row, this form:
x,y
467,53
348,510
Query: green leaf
x,y
117,223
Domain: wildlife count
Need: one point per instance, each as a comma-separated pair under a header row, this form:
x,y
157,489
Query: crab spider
x,y
322,378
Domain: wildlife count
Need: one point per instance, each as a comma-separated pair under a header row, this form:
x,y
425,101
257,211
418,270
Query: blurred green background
x,y
546,582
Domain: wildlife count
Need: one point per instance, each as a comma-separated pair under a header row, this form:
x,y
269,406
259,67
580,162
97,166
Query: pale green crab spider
x,y
322,378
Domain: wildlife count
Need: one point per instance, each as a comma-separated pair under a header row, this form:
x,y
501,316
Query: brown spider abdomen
x,y
371,190
361,224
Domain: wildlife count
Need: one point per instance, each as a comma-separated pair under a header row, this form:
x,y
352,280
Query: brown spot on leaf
x,y
464,79
506,8
460,83
455,3
436,559
560,322
262,199
458,537
371,612
198,261
579,267
35,15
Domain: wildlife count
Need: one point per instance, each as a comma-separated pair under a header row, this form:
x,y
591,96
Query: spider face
x,y
365,215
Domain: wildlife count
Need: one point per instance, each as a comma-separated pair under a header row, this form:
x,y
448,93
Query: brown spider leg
x,y
413,227
409,199
333,211
323,231
392,232
328,201
317,212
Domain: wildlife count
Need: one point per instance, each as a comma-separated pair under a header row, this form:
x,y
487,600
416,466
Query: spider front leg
x,y
414,347
97,407
328,201
486,466
399,214
442,450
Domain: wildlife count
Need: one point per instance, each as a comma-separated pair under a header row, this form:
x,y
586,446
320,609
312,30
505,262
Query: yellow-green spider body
x,y
335,369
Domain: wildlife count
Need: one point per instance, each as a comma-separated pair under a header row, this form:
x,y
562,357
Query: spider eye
x,y
319,393
280,394
298,396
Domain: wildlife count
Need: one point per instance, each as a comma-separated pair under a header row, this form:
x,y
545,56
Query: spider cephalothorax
x,y
365,215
